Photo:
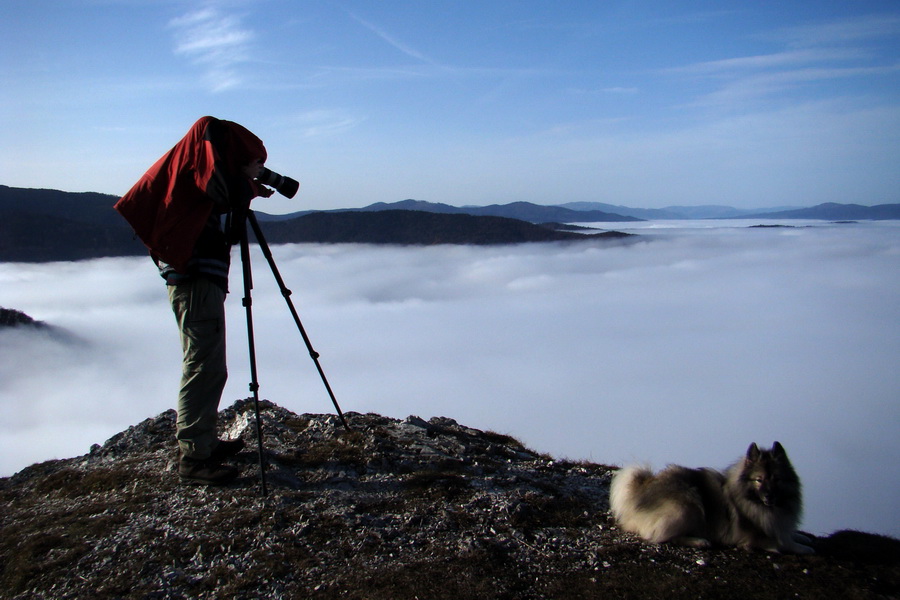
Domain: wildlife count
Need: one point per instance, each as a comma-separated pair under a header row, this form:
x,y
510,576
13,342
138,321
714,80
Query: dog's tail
x,y
643,503
624,489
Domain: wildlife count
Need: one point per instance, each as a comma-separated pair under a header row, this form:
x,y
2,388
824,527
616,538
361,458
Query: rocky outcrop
x,y
15,318
389,509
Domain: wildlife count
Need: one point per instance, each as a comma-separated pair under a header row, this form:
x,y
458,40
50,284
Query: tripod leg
x,y
260,238
254,382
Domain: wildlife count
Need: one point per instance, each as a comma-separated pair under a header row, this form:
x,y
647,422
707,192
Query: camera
x,y
285,185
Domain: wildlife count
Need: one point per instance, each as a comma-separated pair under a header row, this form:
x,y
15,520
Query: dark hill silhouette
x,y
412,227
50,225
41,225
79,207
29,238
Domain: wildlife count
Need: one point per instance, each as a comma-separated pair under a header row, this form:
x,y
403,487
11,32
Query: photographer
x,y
177,209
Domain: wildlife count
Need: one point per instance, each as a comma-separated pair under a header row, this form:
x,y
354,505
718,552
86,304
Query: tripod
x,y
248,304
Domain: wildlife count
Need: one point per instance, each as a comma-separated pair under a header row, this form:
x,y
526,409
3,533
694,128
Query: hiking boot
x,y
205,471
226,449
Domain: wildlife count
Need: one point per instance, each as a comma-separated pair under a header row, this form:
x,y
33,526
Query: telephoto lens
x,y
285,185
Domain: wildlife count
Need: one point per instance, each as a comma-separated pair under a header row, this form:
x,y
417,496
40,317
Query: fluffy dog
x,y
756,503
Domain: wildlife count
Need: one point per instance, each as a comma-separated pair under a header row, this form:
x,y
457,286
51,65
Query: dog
x,y
755,504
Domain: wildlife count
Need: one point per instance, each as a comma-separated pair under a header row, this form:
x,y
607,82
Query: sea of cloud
x,y
682,345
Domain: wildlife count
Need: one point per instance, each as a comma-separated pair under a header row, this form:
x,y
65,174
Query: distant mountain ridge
x,y
705,211
832,211
525,211
597,212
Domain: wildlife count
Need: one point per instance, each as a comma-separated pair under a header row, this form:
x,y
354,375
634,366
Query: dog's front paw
x,y
692,542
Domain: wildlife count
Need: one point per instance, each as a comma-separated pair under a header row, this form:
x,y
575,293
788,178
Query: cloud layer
x,y
684,347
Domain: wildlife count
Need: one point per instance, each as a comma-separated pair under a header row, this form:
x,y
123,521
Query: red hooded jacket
x,y
169,205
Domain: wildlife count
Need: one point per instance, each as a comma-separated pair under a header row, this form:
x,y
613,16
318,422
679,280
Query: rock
x,y
390,509
15,318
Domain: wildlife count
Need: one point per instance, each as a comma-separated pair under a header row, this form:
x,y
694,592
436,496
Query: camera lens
x,y
285,185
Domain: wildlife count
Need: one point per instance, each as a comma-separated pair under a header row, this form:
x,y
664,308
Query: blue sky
x,y
644,104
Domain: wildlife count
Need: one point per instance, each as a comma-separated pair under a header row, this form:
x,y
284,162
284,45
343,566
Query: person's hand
x,y
252,170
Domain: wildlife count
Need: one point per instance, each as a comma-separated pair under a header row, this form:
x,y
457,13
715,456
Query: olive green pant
x,y
199,308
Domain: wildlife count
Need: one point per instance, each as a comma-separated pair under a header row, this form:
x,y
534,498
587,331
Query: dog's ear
x,y
778,450
753,452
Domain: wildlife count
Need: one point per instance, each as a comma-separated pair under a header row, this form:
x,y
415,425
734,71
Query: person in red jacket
x,y
177,209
